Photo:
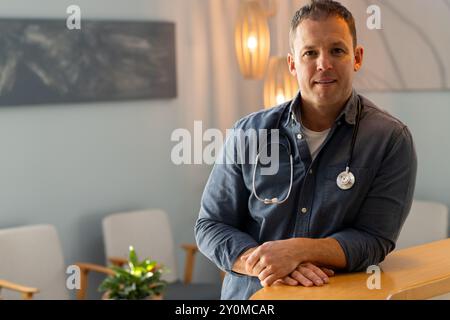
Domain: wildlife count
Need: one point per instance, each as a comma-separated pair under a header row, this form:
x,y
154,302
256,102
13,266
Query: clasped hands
x,y
283,261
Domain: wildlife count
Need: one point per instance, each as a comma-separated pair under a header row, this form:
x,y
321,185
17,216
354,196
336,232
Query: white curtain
x,y
209,79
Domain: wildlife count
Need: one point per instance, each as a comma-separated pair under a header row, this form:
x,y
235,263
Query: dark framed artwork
x,y
42,61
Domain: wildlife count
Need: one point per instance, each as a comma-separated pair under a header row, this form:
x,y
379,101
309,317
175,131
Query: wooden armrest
x,y
189,246
27,292
191,249
118,261
85,268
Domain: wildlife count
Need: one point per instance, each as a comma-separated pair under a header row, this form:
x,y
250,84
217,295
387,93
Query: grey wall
x,y
70,165
426,114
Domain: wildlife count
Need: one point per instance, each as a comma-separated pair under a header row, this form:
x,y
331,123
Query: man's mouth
x,y
325,81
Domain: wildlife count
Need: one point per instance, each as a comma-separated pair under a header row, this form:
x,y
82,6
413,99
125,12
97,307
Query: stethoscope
x,y
345,180
291,162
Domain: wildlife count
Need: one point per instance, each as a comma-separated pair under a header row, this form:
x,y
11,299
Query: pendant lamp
x,y
252,39
279,85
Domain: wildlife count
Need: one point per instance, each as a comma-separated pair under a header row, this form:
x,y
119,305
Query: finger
x,y
252,260
246,254
289,281
279,281
267,282
264,274
318,272
311,275
251,267
329,272
296,275
258,268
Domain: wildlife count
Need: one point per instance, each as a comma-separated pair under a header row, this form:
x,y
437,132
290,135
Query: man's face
x,y
324,61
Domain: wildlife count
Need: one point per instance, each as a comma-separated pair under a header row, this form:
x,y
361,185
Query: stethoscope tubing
x,y
347,174
273,200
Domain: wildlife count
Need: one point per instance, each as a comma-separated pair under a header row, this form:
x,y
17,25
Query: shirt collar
x,y
349,111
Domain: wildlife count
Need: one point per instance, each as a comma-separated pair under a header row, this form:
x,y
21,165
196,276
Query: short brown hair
x,y
320,9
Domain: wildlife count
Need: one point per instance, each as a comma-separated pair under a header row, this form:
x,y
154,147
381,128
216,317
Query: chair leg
x,y
81,293
27,295
189,266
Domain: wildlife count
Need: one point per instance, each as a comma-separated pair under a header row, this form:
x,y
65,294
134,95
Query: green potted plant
x,y
138,280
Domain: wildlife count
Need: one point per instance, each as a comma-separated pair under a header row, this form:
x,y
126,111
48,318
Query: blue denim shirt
x,y
365,220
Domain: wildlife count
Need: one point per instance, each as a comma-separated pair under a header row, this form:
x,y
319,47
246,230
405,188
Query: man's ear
x,y
359,57
291,64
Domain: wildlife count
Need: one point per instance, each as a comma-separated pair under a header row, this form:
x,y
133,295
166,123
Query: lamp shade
x,y
252,40
279,86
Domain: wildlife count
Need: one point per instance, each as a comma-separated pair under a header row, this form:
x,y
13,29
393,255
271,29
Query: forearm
x,y
362,249
221,243
325,252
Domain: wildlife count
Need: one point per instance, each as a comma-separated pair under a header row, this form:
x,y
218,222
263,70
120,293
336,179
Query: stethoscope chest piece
x,y
345,180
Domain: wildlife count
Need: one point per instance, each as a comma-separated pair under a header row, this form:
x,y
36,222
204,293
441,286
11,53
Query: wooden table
x,y
420,272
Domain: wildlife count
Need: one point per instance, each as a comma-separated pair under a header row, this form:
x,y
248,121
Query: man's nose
x,y
324,62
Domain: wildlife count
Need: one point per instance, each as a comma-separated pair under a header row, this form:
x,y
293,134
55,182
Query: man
x,y
325,223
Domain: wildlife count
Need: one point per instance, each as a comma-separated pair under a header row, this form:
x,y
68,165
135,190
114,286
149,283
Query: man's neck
x,y
319,118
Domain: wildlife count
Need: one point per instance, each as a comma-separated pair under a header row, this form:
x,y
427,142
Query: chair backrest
x,y
426,222
148,231
32,256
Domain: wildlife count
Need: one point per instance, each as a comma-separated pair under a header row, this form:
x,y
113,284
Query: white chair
x,y
32,264
426,222
149,232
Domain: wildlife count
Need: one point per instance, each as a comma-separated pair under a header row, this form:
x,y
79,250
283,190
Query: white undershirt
x,y
314,140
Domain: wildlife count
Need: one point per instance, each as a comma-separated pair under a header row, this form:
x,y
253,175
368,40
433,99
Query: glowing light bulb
x,y
252,43
280,98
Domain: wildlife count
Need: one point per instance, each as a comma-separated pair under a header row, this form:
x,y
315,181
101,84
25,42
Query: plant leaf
x,y
133,259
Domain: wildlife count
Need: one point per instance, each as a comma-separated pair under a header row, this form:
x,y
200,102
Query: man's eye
x,y
309,53
338,51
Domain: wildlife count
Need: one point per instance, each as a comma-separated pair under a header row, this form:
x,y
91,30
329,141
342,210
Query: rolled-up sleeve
x,y
376,229
223,212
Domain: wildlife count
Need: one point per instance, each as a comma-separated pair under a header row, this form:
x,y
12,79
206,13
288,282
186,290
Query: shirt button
x,y
310,171
299,137
304,210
